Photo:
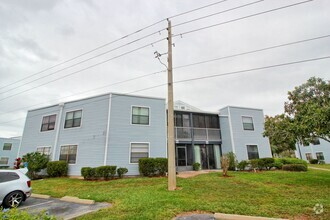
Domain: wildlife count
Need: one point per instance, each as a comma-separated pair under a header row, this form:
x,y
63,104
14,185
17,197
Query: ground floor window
x,y
309,156
4,160
69,153
44,150
137,151
252,152
319,155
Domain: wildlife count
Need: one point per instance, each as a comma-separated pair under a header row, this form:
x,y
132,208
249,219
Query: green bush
x,y
196,166
106,172
294,167
121,171
267,162
57,168
254,163
13,214
88,173
161,166
232,161
278,164
321,162
242,165
36,162
291,161
314,161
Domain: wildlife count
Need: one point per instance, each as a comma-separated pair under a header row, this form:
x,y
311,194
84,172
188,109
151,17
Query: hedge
x,y
314,161
242,165
294,167
88,173
153,166
291,161
106,172
57,168
121,171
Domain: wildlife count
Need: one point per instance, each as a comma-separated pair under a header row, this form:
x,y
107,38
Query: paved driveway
x,y
65,210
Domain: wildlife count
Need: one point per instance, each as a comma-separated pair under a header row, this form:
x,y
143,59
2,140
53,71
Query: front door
x,y
207,156
181,158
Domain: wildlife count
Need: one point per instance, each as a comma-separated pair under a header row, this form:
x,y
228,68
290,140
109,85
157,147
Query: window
x,y
319,155
4,160
315,141
48,123
7,146
73,119
44,150
182,120
247,123
8,176
252,152
139,150
140,115
205,121
69,154
309,156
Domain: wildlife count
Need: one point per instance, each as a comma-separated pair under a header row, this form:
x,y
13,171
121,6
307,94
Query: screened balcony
x,y
198,134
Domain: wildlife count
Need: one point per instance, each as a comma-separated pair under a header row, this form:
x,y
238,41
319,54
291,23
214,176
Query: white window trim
x,y
3,146
5,163
56,121
131,115
81,120
130,150
310,154
247,152
59,153
319,152
248,116
50,151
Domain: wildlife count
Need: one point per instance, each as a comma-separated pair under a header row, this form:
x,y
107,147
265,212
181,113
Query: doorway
x,y
207,156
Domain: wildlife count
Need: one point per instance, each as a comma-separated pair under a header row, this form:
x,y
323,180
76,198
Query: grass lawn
x,y
270,193
324,166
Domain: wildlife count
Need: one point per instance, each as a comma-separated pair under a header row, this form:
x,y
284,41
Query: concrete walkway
x,y
316,168
188,174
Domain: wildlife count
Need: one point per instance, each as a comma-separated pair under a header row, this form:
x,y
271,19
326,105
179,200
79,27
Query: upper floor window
x,y
140,115
315,141
252,152
7,146
319,155
48,123
205,121
182,120
69,154
247,123
4,160
44,150
73,119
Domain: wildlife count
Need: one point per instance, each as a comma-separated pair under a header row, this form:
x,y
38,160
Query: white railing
x,y
199,134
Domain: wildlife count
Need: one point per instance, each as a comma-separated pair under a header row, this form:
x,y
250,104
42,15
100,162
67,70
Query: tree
x,y
279,130
36,162
309,107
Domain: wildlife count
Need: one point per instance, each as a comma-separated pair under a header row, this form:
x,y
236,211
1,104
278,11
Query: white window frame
x,y
319,153
50,150
3,147
56,121
64,145
310,154
140,106
81,120
247,116
4,164
247,152
130,150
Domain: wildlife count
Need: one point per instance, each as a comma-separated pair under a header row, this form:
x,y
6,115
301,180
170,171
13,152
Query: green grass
x,y
270,193
324,166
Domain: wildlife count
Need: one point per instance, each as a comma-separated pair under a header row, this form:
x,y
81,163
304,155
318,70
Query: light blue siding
x,y
241,138
10,154
323,147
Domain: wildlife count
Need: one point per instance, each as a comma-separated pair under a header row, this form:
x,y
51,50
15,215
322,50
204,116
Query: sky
x,y
36,36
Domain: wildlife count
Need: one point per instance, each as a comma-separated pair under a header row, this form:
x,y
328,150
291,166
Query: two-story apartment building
x,y
109,129
8,151
319,149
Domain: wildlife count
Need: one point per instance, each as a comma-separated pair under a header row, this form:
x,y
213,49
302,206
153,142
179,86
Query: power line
x,y
89,67
112,42
194,79
220,12
188,65
242,18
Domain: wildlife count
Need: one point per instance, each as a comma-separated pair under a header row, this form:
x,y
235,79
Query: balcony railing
x,y
198,134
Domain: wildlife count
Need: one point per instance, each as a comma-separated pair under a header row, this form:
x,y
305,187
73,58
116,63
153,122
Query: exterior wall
x,y
323,147
11,154
226,145
123,132
240,138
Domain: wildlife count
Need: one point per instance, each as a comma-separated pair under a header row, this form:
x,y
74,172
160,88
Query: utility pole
x,y
170,116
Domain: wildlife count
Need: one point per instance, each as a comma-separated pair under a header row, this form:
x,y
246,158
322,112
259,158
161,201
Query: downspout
x,y
108,132
58,129
231,131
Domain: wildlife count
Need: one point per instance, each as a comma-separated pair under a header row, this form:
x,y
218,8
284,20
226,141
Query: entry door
x,y
181,153
207,157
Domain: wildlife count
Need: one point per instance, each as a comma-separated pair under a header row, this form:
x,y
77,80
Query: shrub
x,y
88,173
242,165
314,161
292,161
321,162
254,164
267,162
36,162
294,167
196,166
22,214
147,166
278,164
121,171
106,172
232,161
224,164
161,166
57,168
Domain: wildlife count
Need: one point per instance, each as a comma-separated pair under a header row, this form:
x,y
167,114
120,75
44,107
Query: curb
x,y
77,200
222,216
39,196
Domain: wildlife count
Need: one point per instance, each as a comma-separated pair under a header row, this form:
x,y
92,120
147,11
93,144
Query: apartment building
x,y
8,151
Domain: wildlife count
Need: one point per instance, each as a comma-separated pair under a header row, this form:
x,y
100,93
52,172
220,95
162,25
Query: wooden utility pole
x,y
170,116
